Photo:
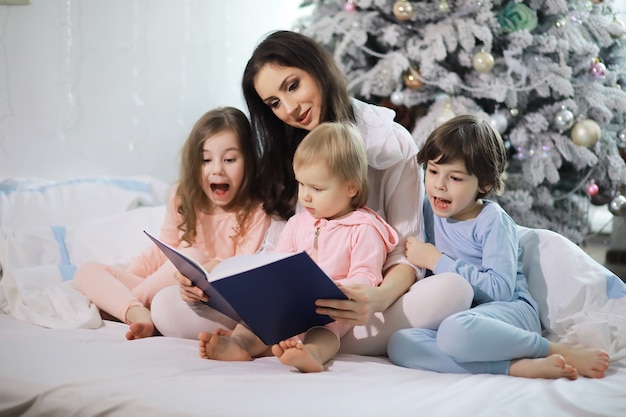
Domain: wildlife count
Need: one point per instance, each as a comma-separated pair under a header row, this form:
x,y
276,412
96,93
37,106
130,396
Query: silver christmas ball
x,y
621,138
499,122
397,98
617,206
563,120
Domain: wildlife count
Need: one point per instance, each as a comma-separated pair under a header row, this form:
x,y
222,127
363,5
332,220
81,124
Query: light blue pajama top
x,y
484,250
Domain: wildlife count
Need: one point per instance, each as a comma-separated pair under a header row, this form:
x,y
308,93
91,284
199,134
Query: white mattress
x,y
86,372
58,358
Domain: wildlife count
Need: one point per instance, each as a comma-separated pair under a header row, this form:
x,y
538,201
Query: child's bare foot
x,y
223,332
293,353
140,321
140,330
551,367
589,362
221,346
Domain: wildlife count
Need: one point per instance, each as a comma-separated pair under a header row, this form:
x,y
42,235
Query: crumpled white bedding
x,y
48,228
86,367
581,302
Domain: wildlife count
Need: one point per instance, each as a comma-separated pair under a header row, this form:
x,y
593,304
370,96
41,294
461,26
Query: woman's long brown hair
x,y
277,140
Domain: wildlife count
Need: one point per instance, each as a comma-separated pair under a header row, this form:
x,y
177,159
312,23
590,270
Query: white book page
x,y
241,263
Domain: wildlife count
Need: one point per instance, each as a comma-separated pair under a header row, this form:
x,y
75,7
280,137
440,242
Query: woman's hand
x,y
356,310
363,300
189,292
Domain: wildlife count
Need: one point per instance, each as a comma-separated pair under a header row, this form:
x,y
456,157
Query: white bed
x,y
58,358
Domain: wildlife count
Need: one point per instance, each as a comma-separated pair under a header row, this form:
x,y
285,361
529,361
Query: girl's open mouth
x,y
220,189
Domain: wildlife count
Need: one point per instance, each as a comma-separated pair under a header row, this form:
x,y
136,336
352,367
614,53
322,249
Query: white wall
x,y
112,87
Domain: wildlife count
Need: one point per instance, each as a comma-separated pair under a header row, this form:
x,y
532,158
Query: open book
x,y
273,294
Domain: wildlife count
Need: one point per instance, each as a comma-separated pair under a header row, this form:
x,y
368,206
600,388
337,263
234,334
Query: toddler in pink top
x,y
214,213
347,240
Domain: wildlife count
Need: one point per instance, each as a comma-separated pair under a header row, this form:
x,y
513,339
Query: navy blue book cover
x,y
272,294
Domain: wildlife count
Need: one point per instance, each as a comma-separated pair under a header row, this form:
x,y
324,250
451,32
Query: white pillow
x,y
30,203
580,301
113,239
37,264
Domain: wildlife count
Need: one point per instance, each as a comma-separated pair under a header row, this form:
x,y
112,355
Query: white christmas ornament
x,y
586,133
483,61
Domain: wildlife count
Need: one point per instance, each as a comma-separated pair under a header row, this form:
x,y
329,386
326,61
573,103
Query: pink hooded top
x,y
351,249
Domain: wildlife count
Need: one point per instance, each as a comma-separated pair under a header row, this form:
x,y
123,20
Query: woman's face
x,y
292,94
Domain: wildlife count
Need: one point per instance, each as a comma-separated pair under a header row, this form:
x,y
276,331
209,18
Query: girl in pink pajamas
x,y
347,240
213,213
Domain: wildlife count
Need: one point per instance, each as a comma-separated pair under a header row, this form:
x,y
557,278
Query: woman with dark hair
x,y
291,85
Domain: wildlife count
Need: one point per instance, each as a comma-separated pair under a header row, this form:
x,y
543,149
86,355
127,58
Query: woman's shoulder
x,y
387,142
372,115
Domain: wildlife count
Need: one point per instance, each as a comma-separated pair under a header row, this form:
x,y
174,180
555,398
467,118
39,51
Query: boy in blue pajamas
x,y
465,160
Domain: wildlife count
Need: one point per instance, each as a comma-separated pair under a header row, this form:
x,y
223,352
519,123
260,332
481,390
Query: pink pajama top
x,y
215,237
351,249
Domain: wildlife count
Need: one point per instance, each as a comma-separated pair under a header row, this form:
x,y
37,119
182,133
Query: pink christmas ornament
x,y
349,6
597,70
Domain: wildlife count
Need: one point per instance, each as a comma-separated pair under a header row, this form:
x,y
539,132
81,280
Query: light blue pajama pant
x,y
483,339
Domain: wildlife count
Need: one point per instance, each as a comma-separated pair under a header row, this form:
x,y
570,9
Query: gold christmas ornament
x,y
403,10
483,61
586,133
412,79
443,6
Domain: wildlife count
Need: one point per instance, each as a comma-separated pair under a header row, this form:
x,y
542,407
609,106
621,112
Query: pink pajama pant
x,y
115,290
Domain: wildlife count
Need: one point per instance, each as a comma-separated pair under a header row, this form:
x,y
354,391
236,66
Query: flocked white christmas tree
x,y
548,75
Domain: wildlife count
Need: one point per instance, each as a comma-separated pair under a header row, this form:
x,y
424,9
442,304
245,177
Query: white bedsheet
x,y
58,358
83,372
